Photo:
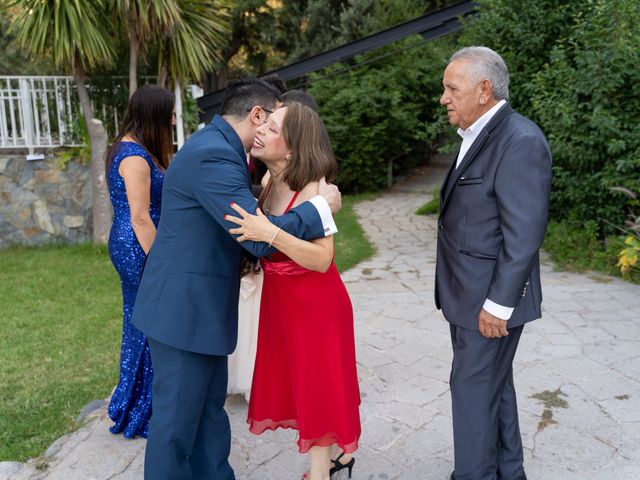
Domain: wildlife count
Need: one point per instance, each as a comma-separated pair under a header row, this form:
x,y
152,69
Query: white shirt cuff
x,y
328,225
504,313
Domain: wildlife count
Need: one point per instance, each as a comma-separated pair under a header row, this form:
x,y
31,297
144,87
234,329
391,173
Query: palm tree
x,y
142,20
195,43
192,47
73,34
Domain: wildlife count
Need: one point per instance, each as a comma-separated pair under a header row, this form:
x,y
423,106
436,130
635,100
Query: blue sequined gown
x,y
130,406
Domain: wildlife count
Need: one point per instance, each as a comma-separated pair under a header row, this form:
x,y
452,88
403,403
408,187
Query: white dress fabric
x,y
242,360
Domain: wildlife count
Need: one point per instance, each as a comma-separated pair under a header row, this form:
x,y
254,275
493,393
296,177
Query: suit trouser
x,y
486,434
189,432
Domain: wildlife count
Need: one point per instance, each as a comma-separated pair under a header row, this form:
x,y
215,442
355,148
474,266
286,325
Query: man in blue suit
x,y
188,297
493,215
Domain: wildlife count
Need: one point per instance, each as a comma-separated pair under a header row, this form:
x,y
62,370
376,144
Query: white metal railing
x,y
44,111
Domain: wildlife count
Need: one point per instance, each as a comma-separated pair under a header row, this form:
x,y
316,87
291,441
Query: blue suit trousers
x,y
189,433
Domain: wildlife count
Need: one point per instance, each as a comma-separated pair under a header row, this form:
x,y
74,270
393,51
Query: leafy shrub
x,y
523,33
628,257
587,100
382,112
574,71
576,247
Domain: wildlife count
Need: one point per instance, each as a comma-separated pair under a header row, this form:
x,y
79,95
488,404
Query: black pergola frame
x,y
430,26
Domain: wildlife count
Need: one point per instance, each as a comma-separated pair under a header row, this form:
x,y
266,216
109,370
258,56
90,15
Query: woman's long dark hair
x,y
148,122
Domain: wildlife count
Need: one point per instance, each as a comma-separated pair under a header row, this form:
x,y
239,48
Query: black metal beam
x,y
430,27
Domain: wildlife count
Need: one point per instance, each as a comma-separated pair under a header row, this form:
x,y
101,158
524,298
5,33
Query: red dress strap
x,y
266,194
295,195
293,200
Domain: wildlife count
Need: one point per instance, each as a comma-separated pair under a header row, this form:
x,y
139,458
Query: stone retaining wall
x,y
43,204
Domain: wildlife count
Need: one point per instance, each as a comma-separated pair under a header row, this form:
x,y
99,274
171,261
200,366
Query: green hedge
x,y
577,247
574,70
384,111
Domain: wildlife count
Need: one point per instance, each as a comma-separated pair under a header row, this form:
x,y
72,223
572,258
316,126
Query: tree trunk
x,y
163,76
133,62
163,65
101,207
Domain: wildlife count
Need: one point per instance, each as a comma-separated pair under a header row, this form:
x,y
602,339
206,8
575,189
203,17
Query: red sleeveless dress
x,y
305,372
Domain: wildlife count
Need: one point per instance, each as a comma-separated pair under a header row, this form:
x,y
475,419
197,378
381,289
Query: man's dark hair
x,y
275,81
243,94
300,96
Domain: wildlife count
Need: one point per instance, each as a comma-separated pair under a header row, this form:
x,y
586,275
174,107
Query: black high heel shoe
x,y
338,465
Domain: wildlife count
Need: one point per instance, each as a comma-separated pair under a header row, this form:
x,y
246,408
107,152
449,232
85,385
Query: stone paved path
x,y
577,375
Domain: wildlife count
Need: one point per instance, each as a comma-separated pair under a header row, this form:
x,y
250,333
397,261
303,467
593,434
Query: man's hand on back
x,y
331,194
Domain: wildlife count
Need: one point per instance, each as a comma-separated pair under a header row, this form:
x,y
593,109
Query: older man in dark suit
x,y
493,215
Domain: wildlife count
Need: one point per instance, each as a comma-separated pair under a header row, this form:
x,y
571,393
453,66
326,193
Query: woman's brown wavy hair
x,y
311,154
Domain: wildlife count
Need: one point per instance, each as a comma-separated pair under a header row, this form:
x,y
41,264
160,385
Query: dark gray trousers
x,y
486,434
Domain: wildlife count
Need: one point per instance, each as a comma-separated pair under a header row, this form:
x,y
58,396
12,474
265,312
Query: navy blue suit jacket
x,y
188,295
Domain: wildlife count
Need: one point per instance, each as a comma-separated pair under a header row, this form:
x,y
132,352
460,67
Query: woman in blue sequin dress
x,y
136,163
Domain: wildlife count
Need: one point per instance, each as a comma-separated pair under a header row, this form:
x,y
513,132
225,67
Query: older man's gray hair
x,y
484,63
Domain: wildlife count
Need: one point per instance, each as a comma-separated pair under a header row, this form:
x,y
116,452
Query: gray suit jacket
x,y
493,216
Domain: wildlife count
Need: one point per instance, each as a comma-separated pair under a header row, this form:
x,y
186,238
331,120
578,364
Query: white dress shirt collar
x,y
470,134
479,124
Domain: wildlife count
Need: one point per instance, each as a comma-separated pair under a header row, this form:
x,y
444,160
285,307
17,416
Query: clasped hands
x,y
491,326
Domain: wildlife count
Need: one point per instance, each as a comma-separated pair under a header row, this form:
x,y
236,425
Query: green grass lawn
x,y
351,245
60,327
59,341
432,207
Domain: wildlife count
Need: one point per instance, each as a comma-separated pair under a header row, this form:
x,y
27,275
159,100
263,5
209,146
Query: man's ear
x,y
255,115
486,91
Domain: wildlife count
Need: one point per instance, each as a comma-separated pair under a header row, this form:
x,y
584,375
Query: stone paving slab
x,y
585,353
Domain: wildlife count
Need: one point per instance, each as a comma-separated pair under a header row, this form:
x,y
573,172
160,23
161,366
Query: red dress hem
x,y
304,444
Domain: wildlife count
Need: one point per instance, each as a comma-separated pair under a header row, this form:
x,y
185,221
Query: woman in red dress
x,y
305,373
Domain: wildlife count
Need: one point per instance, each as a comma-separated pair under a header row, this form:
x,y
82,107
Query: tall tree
x,y
194,43
191,48
243,35
142,20
14,61
73,34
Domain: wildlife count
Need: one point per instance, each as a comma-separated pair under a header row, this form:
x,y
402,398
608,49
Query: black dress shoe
x,y
521,477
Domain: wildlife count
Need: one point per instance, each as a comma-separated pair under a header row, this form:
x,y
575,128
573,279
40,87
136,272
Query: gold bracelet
x,y
274,236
